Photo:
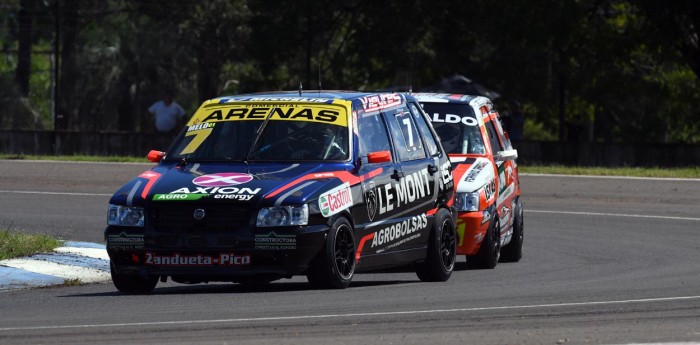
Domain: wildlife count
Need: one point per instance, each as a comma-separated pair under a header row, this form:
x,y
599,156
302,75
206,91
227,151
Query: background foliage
x,y
583,70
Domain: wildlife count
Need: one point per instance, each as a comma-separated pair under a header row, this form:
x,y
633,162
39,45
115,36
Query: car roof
x,y
306,95
446,97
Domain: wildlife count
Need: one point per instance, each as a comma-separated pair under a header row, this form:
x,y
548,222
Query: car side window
x,y
409,145
373,134
493,137
423,127
501,133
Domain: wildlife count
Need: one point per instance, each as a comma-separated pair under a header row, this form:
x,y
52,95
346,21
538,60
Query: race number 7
x,y
199,137
407,121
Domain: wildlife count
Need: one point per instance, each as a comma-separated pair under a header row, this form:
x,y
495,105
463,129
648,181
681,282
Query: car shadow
x,y
462,266
222,287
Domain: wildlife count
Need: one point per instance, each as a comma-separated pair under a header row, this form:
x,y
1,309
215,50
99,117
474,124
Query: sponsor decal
x,y
487,217
282,99
410,188
224,259
505,176
335,200
399,233
446,170
490,189
371,200
199,126
505,183
222,179
379,102
505,215
177,197
125,241
275,241
314,113
474,171
229,193
452,118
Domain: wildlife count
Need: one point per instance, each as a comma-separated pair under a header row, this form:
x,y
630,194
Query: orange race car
x,y
490,222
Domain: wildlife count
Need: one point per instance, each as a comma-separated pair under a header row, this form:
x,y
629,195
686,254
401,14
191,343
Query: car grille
x,y
180,218
195,241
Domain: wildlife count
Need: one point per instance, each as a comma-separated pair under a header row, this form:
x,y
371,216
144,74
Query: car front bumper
x,y
471,230
199,257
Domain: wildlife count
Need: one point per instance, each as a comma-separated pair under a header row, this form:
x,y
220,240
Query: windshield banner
x,y
330,114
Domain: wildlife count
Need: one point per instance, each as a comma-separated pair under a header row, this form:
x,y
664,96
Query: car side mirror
x,y
506,155
155,156
379,157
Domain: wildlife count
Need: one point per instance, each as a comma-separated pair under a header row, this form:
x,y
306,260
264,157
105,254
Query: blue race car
x,y
267,186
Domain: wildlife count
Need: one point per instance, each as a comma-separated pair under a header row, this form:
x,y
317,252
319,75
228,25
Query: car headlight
x,y
125,215
283,216
467,201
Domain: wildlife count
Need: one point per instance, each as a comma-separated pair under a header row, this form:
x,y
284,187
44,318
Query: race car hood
x,y
252,184
470,174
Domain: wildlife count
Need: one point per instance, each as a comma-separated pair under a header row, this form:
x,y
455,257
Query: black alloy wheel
x,y
344,248
448,245
334,266
442,250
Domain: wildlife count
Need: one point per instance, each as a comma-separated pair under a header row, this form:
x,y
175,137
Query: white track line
x,y
615,177
612,215
690,343
52,193
336,316
145,164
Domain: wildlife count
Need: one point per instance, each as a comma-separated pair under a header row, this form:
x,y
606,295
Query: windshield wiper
x,y
258,134
182,162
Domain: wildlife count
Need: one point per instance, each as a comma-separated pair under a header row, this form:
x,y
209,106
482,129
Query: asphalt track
x,y
606,261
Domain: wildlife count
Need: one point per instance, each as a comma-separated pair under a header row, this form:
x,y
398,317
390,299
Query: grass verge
x,y
72,282
15,244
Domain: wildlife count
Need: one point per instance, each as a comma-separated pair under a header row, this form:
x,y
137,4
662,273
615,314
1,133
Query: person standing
x,y
168,114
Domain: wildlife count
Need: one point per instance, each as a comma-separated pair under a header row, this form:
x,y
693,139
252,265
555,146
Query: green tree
x,y
604,70
24,52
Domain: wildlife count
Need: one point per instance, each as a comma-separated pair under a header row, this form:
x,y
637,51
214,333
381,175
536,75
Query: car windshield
x,y
277,140
457,127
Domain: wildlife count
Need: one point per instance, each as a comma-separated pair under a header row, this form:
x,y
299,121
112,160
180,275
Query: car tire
x,y
334,267
442,250
132,283
513,251
490,251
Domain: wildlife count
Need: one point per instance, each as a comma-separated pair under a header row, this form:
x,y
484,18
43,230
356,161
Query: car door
x,y
376,211
415,182
507,182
